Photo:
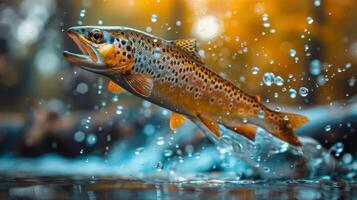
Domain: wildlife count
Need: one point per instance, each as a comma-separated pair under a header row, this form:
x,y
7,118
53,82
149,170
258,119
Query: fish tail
x,y
284,125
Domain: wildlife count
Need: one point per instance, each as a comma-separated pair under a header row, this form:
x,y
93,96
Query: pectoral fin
x,y
114,88
211,125
176,120
246,130
140,83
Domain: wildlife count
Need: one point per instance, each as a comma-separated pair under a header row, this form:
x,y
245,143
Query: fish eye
x,y
96,36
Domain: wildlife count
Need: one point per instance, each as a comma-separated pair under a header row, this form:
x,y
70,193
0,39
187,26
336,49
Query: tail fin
x,y
295,120
284,130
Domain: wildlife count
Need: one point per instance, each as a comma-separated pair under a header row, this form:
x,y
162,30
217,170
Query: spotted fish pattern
x,y
171,74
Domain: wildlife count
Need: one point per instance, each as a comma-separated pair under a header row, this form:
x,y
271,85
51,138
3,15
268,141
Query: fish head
x,y
104,50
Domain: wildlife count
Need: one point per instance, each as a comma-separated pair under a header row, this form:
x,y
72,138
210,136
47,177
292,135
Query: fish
x,y
172,74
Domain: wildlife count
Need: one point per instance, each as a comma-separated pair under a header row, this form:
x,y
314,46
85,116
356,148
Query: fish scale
x,y
171,74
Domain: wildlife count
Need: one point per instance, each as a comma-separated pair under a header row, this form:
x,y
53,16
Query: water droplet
x,y
100,22
348,65
277,109
315,67
266,169
115,98
279,81
160,141
328,128
347,158
309,20
268,78
148,29
255,70
139,150
292,53
337,148
181,159
197,155
266,25
261,114
79,136
292,93
159,166
265,17
303,91
351,81
168,152
244,120
119,110
178,23
154,18
82,88
317,3
157,52
91,139
82,13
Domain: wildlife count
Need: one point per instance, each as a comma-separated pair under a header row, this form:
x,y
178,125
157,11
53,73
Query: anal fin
x,y
211,125
247,130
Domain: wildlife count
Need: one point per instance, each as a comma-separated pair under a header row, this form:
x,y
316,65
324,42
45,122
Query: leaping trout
x,y
172,75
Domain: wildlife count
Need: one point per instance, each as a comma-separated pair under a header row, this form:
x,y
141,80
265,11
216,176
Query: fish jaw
x,y
90,59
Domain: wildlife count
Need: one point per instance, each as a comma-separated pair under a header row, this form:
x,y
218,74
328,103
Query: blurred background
x,y
297,55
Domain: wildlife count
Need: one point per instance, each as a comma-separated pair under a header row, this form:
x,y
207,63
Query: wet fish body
x,y
171,74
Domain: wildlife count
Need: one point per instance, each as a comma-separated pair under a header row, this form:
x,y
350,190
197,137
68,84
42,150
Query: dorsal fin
x,y
190,47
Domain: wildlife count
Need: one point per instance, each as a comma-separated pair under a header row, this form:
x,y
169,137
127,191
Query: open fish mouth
x,y
90,58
